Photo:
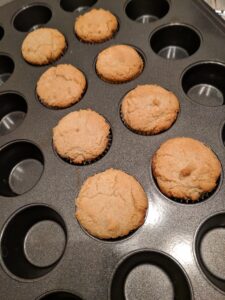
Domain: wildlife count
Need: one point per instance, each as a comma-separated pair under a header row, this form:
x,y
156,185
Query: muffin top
x,y
61,86
110,204
185,168
149,109
118,64
81,136
96,26
43,46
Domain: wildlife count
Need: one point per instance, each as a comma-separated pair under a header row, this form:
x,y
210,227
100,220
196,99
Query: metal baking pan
x,y
179,251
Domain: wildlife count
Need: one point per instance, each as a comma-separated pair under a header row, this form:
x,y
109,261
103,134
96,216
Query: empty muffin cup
x,y
146,11
175,41
13,109
31,17
204,84
21,165
60,295
210,249
76,5
6,68
149,275
33,241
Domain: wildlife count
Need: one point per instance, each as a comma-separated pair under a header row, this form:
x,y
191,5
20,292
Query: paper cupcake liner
x,y
100,41
90,161
119,81
140,132
64,107
145,133
204,196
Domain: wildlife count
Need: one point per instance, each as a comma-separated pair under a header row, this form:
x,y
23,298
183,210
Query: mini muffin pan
x,y
179,252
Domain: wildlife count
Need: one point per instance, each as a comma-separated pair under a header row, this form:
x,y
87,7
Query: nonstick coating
x,y
170,239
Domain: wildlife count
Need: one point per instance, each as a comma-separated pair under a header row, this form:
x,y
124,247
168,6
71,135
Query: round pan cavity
x,y
76,5
204,84
146,11
6,68
164,277
33,241
13,109
31,17
21,165
60,295
175,41
210,249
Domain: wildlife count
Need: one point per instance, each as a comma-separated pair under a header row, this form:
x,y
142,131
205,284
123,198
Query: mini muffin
x,y
61,86
149,109
111,204
118,64
43,46
81,136
186,169
96,26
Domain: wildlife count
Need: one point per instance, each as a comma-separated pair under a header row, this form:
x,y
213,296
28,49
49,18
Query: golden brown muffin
x,y
118,64
149,109
81,136
96,26
43,46
61,86
111,204
185,168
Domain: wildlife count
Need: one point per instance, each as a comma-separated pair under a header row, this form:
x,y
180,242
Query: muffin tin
x,y
179,251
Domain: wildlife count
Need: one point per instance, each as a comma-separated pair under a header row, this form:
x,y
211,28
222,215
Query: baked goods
x,y
81,136
118,64
111,204
61,86
43,46
96,26
149,109
185,168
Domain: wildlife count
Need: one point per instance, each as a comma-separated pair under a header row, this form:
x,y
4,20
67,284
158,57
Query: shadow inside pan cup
x,y
1,32
13,109
146,11
76,5
175,42
60,296
6,68
21,165
31,17
210,249
149,275
204,84
33,242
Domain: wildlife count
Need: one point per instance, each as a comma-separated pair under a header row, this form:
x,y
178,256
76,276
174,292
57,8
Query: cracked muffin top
x,y
96,26
185,168
43,46
61,86
111,204
149,109
81,136
119,63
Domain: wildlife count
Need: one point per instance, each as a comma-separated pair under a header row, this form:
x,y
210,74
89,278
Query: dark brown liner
x,y
121,82
65,107
144,133
114,33
91,161
204,196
